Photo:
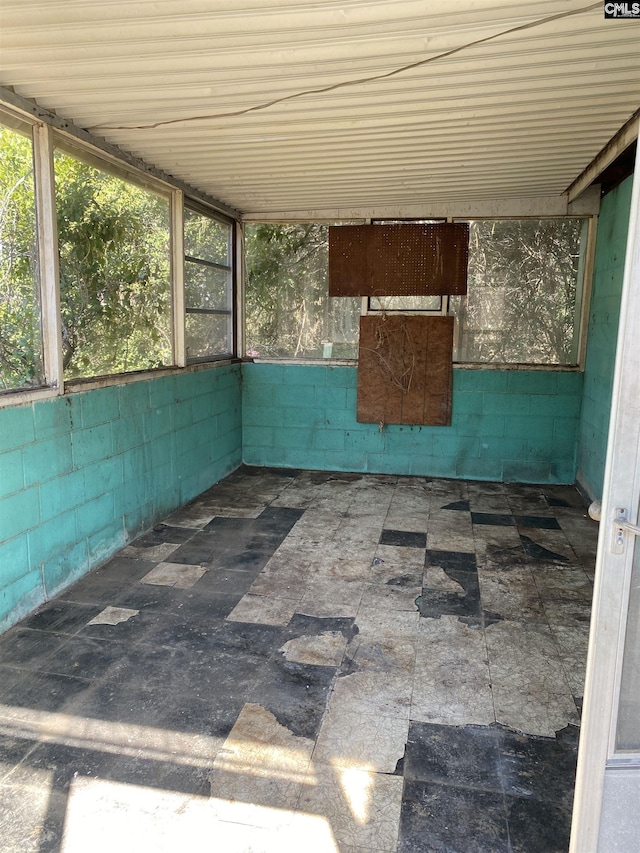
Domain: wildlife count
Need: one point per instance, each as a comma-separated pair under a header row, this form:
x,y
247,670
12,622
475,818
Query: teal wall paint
x,y
511,425
602,337
83,474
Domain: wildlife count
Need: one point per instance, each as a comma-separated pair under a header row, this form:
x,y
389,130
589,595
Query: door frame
x,y
613,570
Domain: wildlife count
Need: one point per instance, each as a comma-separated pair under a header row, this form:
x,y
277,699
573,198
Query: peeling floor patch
x,y
113,616
182,576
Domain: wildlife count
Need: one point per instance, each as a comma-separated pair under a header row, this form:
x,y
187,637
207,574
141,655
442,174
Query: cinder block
x,y
331,397
90,445
342,377
466,402
20,598
480,380
52,538
162,392
62,494
66,568
16,427
507,404
14,559
525,471
11,472
257,395
99,406
19,513
52,417
134,398
479,468
127,433
94,515
302,458
294,395
106,542
533,382
44,460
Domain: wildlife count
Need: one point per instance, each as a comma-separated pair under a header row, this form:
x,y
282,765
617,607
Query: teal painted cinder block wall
x,y
602,338
511,425
81,475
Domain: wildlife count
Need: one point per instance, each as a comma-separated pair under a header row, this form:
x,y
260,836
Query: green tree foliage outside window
x,y
115,292
20,330
288,311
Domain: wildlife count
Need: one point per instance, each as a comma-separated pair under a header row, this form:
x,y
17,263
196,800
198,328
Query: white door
x,y
606,815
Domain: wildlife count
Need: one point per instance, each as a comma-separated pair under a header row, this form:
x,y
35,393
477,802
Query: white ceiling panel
x,y
288,107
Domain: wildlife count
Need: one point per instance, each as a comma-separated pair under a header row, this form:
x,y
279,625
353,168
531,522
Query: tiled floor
x,y
305,661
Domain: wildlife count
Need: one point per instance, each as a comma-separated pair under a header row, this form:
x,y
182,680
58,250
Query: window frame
x,y
583,292
232,294
46,133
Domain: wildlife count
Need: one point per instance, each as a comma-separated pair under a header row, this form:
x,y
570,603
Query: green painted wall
x,y
81,475
602,337
511,425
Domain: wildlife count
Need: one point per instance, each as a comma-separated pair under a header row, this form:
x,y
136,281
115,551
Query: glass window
x,y
208,285
288,311
524,292
115,285
20,329
432,304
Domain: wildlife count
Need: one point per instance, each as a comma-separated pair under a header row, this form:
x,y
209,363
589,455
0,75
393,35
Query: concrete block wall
x,y
602,337
511,425
83,474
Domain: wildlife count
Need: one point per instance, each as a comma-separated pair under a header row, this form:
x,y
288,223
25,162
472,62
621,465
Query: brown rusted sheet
x,y
398,260
405,370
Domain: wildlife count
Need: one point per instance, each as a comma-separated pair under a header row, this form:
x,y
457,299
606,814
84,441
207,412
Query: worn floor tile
x,y
182,576
531,693
452,682
361,741
444,818
261,762
263,610
361,806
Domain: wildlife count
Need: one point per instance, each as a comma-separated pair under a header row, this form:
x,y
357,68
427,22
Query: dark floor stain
x,y
404,538
495,518
542,522
405,580
457,505
538,552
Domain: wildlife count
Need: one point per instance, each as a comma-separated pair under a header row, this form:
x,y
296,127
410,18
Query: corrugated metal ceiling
x,y
420,101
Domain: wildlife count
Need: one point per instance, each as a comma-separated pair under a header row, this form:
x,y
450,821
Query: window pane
x,y
523,286
20,332
208,334
288,311
206,238
206,287
115,287
405,303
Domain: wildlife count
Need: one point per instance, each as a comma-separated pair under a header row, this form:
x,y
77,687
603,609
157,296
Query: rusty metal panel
x,y
404,259
405,370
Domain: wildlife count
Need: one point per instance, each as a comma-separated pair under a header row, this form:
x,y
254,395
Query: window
x,y
208,286
115,284
424,304
21,364
524,292
288,311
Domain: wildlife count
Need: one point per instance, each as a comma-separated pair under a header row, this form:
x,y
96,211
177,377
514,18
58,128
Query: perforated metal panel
x,y
398,260
404,370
